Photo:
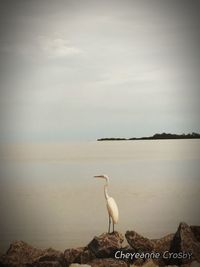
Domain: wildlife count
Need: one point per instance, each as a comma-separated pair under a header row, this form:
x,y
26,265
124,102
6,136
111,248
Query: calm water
x,y
48,196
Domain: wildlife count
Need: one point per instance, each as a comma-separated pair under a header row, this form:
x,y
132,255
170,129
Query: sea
x,y
49,197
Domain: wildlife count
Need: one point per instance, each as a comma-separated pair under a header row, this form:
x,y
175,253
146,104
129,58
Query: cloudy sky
x,y
80,69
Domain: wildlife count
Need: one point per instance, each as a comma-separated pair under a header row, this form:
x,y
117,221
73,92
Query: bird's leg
x,y
113,227
109,225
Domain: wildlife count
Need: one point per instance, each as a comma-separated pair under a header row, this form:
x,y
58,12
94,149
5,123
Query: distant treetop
x,y
156,136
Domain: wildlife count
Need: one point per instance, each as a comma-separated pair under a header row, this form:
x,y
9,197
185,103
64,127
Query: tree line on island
x,y
157,136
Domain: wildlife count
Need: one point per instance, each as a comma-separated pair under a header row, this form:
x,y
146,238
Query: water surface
x,y
48,196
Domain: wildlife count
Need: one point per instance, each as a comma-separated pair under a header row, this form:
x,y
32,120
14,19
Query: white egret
x,y
110,202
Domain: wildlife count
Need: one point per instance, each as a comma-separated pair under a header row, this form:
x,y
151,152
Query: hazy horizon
x,y
82,70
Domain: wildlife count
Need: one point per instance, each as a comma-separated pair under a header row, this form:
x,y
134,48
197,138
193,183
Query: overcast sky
x,y
81,70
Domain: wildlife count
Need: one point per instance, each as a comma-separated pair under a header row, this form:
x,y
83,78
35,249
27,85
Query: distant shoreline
x,y
156,136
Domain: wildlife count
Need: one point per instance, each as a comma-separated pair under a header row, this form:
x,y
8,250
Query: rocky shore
x,y
107,250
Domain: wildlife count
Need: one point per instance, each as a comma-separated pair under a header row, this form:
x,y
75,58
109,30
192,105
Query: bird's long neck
x,y
106,190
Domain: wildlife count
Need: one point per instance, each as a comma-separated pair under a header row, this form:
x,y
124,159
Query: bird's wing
x,y
113,209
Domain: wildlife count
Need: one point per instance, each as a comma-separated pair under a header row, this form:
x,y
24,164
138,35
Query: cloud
x,y
57,47
64,64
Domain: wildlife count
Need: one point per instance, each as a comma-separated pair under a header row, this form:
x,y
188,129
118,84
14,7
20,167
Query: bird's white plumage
x,y
110,202
113,209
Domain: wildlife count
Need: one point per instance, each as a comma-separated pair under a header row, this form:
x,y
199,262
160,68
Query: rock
x,y
138,242
138,262
161,245
51,257
192,264
78,255
45,264
142,244
196,231
195,264
106,244
86,256
101,250
107,263
1,258
126,251
185,241
148,263
72,255
19,254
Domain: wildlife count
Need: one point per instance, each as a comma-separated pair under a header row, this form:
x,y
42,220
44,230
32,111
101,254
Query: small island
x,y
156,136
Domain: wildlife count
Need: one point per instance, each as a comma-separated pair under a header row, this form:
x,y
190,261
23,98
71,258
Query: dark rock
x,y
151,263
142,244
78,255
2,260
161,245
46,264
184,241
192,264
72,255
106,244
196,231
138,242
20,254
101,251
139,262
147,263
107,262
79,265
86,256
51,257
126,250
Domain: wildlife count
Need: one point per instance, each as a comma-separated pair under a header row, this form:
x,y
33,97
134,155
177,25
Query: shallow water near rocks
x,y
48,196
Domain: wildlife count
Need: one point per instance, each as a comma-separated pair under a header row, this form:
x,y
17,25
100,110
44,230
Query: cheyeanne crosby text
x,y
152,255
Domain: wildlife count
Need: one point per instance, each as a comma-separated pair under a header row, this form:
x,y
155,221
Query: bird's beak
x,y
98,176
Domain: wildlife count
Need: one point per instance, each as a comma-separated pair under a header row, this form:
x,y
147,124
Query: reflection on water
x,y
48,196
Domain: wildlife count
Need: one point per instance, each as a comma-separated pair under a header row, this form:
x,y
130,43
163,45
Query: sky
x,y
81,70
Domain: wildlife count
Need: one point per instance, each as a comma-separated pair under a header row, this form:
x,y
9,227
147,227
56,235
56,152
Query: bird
x,y
112,208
